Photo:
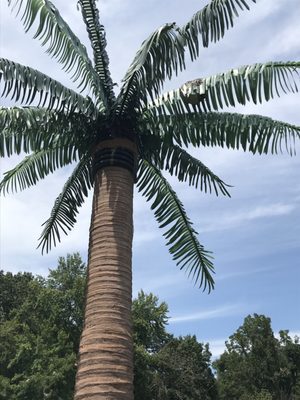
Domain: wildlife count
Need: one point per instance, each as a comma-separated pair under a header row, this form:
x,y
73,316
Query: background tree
x,y
40,331
110,137
256,365
40,339
12,288
167,368
289,373
149,336
182,371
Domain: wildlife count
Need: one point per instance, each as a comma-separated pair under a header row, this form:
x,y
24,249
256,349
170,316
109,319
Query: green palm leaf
x,y
255,83
182,240
65,209
37,166
211,22
61,43
96,34
30,129
254,133
162,153
27,85
159,57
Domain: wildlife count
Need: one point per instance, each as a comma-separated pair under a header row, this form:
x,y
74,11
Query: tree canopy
x,y
39,339
256,365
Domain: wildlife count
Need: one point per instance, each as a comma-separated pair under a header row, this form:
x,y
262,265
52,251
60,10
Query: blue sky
x,y
254,235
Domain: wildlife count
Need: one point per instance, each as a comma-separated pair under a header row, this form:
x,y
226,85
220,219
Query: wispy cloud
x,y
243,272
219,312
228,221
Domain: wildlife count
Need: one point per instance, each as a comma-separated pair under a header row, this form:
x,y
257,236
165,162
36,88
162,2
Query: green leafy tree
x,y
183,371
149,336
289,373
69,279
39,340
132,137
39,335
256,365
167,368
149,322
12,289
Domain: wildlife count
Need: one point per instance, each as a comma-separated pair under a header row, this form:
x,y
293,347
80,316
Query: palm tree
x,y
119,140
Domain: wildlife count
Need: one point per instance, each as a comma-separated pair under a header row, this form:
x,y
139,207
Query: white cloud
x,y
220,312
287,41
243,272
162,282
228,221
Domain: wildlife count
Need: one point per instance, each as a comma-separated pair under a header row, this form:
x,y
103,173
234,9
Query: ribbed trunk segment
x,y
105,369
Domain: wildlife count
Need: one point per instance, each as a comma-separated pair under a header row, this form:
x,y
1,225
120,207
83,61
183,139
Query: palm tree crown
x,y
64,126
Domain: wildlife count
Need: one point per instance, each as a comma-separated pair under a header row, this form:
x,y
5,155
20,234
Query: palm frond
x,y
61,43
181,236
30,129
253,133
257,82
161,152
65,209
211,23
97,38
160,56
27,85
37,166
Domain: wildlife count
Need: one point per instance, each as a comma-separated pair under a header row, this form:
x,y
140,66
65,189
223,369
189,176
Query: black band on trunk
x,y
117,157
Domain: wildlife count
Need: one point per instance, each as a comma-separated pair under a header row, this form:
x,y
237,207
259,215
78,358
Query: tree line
x,y
41,321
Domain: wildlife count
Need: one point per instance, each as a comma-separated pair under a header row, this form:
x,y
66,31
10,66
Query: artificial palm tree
x,y
117,141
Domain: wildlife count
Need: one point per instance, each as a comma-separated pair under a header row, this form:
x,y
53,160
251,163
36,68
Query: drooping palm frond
x,y
254,133
211,22
257,82
30,129
160,56
96,34
37,166
61,43
28,85
181,236
67,204
162,153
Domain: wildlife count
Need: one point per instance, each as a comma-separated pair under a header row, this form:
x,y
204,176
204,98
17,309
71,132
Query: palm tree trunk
x,y
105,369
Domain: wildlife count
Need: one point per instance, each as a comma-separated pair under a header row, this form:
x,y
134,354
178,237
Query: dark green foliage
x,y
289,373
39,340
12,289
40,327
256,366
167,368
149,322
183,371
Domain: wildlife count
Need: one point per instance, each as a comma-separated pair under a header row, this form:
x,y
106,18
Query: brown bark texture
x,y
105,367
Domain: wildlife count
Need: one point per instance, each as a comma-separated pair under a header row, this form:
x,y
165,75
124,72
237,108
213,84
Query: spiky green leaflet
x,y
181,236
